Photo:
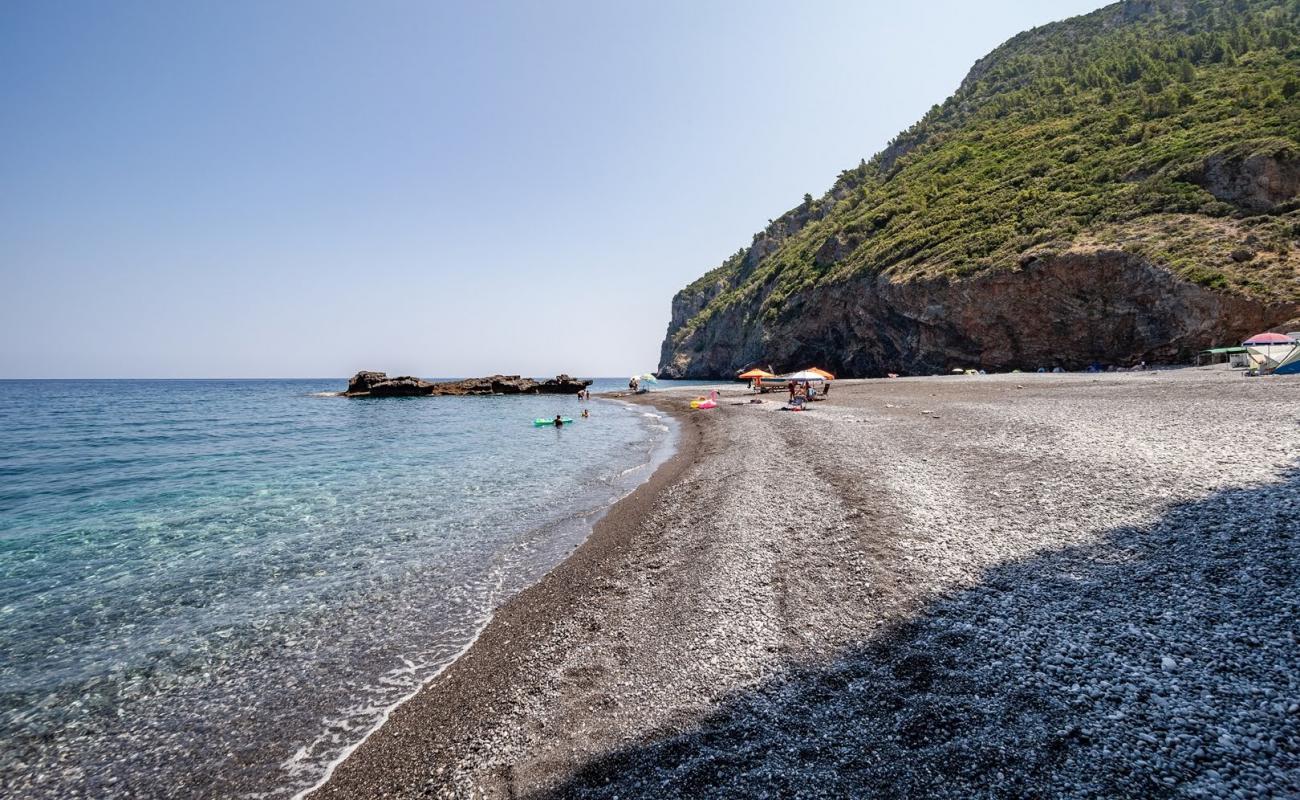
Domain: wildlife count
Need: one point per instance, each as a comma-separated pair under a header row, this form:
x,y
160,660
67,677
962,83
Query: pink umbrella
x,y
1268,338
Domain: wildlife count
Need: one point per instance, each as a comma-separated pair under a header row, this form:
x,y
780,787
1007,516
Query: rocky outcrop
x,y
402,386
1256,181
511,384
378,384
1067,310
362,381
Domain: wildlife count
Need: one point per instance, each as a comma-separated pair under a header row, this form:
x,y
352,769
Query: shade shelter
x,y
821,372
1268,350
805,375
1217,355
755,376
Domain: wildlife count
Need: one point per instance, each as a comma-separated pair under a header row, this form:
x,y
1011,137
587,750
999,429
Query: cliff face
x,y
1068,310
1117,187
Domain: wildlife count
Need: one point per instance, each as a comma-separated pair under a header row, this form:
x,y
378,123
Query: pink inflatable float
x,y
706,402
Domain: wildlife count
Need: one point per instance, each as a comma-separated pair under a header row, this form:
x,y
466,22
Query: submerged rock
x,y
378,384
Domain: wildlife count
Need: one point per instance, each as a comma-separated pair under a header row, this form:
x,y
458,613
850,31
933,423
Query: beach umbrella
x,y
1268,338
648,378
755,377
821,372
806,375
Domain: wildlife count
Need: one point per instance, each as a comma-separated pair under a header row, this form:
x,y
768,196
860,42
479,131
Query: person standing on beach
x,y
790,385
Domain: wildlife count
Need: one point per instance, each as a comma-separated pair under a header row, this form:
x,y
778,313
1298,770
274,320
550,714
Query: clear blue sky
x,y
252,189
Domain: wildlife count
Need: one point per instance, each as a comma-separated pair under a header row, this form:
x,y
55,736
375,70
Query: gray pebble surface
x,y
968,586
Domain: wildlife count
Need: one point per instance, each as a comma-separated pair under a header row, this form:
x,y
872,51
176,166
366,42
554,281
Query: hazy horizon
x,y
252,190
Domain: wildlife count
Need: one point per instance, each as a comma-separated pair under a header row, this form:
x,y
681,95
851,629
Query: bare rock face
x,y
403,386
511,384
1067,310
378,384
362,381
562,384
1254,181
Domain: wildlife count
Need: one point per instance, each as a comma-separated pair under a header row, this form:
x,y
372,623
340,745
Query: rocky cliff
x,y
1118,187
1065,310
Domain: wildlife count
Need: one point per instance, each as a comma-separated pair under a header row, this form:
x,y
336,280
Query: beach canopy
x,y
647,377
1219,351
806,375
1290,364
755,373
821,372
1268,338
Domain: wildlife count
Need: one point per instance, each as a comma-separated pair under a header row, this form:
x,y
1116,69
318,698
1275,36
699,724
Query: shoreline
x,y
921,587
487,653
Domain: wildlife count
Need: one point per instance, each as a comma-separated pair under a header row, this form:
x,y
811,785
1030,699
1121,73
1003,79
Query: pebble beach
x,y
1009,585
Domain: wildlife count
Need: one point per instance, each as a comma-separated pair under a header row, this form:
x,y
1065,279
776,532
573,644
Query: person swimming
x,y
559,421
585,413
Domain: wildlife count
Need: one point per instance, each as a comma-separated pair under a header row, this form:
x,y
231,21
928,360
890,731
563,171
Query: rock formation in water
x,y
378,384
1117,187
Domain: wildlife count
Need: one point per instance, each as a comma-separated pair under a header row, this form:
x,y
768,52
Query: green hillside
x,y
1091,131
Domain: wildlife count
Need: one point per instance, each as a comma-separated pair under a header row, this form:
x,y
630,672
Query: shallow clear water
x,y
213,587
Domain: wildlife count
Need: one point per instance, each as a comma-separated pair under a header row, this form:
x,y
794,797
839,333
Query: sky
x,y
305,189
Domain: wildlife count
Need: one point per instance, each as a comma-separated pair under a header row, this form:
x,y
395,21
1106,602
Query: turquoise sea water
x,y
214,587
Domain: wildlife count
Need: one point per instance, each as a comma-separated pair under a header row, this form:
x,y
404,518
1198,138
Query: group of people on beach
x,y
803,391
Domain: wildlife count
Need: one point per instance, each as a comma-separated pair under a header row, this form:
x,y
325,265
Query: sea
x,y
218,587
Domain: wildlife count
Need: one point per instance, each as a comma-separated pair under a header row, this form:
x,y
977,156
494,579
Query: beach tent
x,y
1290,364
1269,350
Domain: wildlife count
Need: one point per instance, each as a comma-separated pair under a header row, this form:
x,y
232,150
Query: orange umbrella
x,y
821,372
755,373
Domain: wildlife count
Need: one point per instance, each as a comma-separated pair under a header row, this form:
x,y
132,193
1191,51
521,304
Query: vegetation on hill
x,y
1094,131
